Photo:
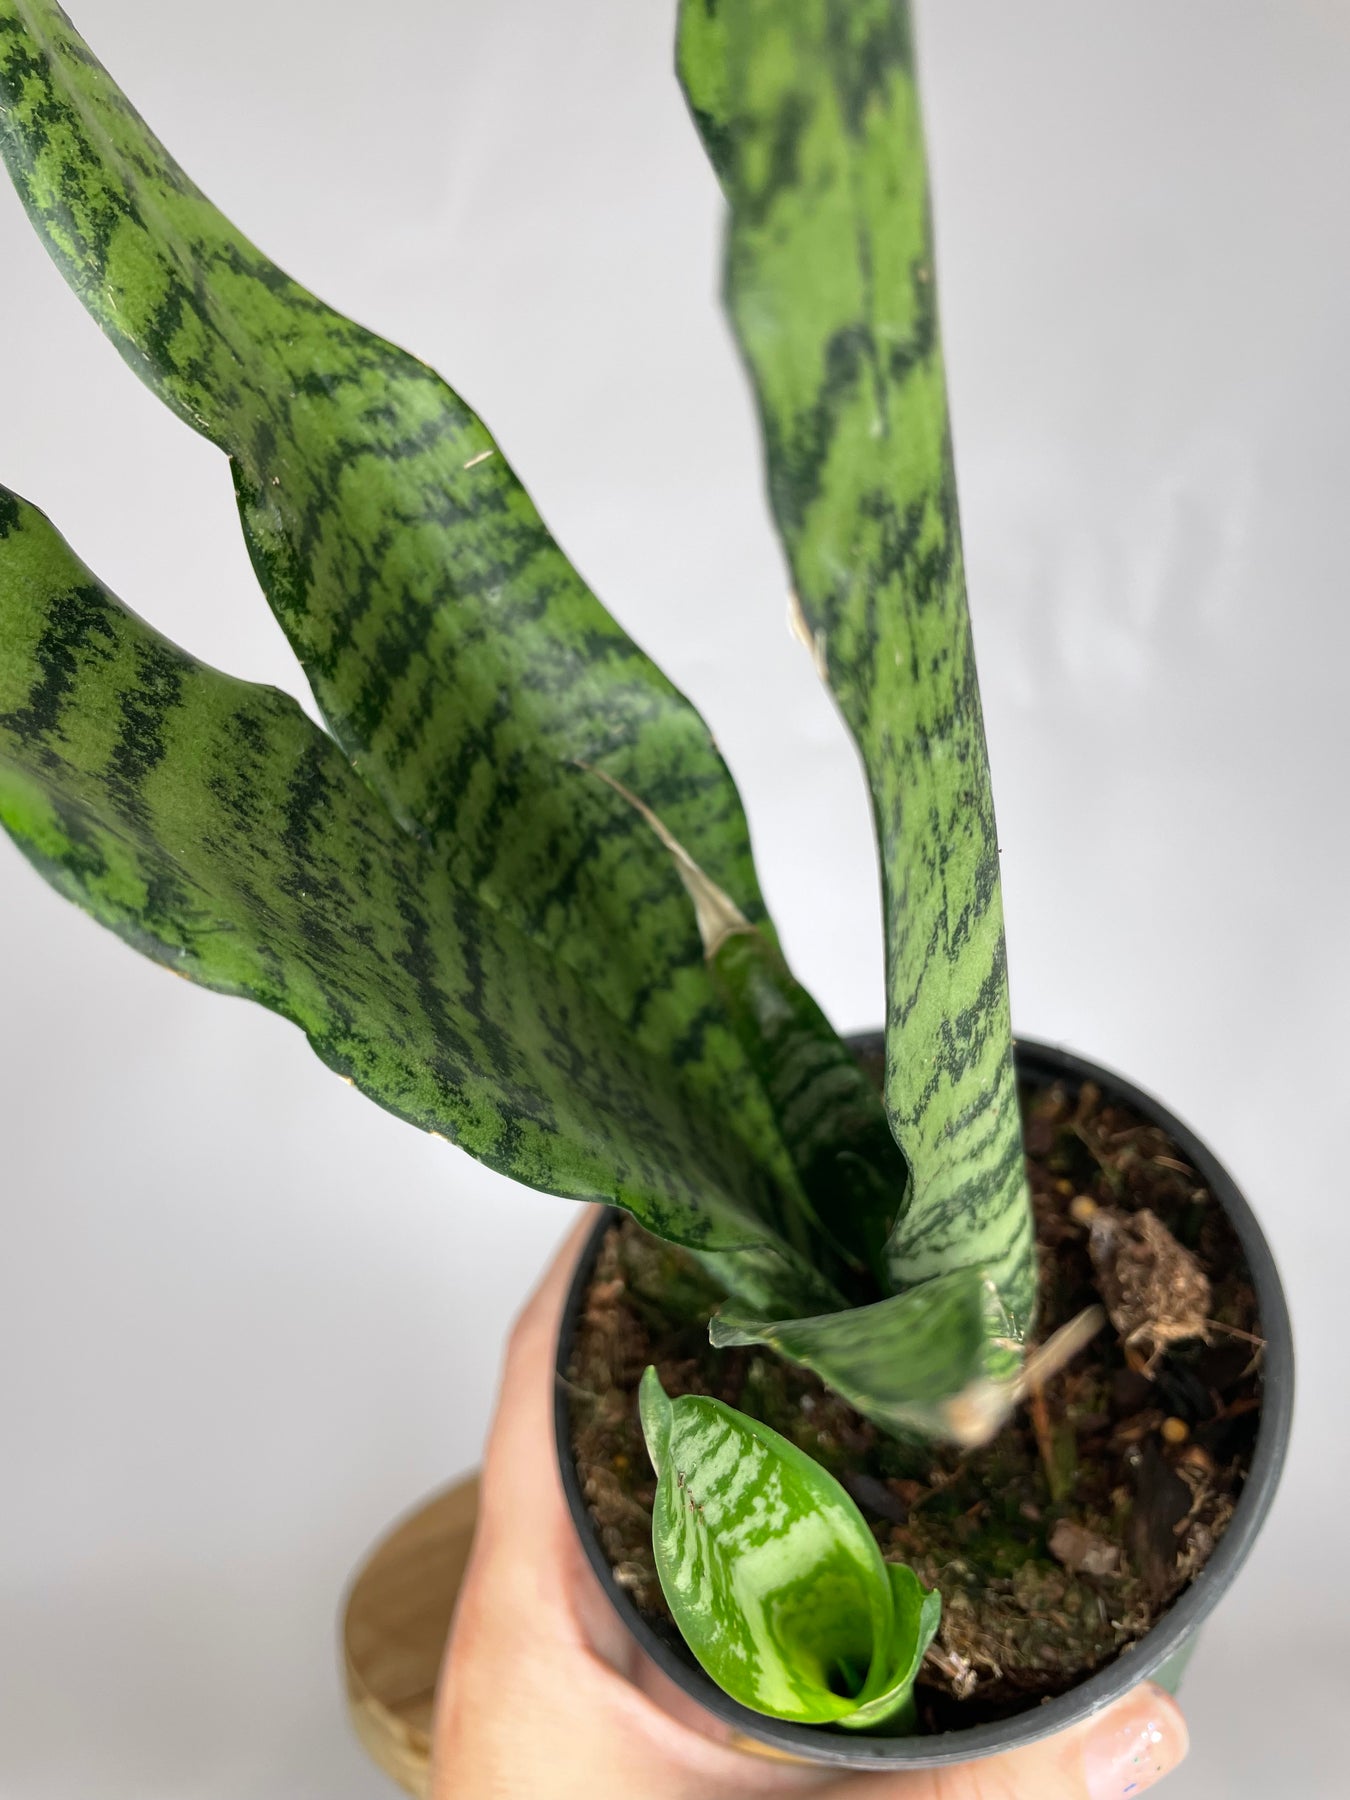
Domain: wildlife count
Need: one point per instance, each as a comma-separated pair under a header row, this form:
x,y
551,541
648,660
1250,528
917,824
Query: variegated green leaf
x,y
911,1363
853,1174
772,1576
809,111
209,823
459,659
917,1615
829,1115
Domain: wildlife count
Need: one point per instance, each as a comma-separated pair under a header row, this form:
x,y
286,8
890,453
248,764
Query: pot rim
x,y
1043,1063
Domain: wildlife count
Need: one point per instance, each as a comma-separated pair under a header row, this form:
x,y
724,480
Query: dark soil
x,y
1060,1543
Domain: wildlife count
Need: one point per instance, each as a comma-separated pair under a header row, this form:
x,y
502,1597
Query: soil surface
x,y
1060,1543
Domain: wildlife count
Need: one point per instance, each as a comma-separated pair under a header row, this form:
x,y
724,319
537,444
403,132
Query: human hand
x,y
545,1696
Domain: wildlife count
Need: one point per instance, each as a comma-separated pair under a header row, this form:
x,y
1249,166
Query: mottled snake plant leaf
x,y
459,659
771,1573
925,1363
809,111
209,823
854,1176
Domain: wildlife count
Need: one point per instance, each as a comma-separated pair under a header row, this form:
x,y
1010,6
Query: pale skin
x,y
543,1692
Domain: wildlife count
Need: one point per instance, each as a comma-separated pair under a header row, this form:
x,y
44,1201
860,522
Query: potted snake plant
x,y
508,893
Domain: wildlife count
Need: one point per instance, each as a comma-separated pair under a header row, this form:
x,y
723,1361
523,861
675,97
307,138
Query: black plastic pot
x,y
1160,1656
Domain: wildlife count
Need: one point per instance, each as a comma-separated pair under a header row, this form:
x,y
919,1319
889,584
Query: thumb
x,y
1132,1745
1117,1755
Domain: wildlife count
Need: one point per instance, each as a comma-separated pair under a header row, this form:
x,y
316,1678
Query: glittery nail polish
x,y
1134,1745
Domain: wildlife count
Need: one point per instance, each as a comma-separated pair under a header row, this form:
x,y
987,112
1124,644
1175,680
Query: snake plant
x,y
508,890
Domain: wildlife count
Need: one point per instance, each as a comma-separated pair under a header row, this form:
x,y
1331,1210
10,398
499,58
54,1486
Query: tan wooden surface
x,y
394,1629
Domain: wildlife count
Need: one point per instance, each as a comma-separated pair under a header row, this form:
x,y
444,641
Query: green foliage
x,y
931,1362
459,660
810,113
210,824
460,921
773,1577
940,1359
853,1174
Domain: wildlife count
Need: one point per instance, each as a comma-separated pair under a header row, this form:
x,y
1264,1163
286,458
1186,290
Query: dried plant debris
x,y
1057,1545
1083,1552
1155,1291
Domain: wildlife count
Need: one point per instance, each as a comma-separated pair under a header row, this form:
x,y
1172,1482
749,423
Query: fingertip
x,y
1133,1745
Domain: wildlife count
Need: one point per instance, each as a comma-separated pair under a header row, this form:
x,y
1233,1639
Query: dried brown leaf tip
x,y
1155,1291
814,641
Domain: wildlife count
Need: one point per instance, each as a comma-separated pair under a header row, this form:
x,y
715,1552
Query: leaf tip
x,y
981,1409
726,1330
656,1413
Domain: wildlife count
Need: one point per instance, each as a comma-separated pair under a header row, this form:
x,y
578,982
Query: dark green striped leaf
x,y
772,1575
853,1173
828,1113
809,111
211,825
459,659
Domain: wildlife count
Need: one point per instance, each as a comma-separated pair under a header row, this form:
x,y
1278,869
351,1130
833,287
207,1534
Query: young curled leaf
x,y
918,1612
772,1575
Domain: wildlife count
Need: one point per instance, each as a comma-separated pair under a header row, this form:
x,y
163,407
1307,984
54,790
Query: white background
x,y
246,1318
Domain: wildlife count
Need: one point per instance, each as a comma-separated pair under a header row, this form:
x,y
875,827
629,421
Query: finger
x,y
526,1551
520,1448
529,1593
1118,1755
526,1560
1133,1745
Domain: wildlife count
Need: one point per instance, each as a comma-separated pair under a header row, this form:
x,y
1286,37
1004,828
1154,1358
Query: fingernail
x,y
1134,1745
